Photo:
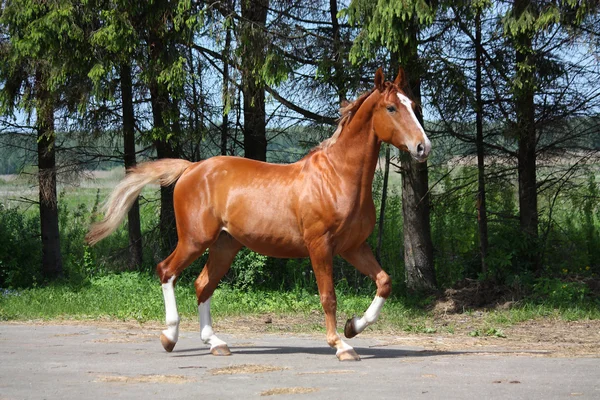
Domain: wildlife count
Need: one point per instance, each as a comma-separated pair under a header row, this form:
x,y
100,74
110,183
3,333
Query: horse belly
x,y
268,241
267,227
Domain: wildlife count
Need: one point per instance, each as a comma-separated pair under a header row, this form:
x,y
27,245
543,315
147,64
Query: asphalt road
x,y
95,362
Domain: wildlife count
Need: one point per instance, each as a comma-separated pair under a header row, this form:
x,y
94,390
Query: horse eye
x,y
391,109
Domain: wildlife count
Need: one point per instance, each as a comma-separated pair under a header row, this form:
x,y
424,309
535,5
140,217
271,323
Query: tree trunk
x,y
164,149
525,114
418,247
481,204
255,133
338,65
384,189
160,103
133,216
225,93
51,254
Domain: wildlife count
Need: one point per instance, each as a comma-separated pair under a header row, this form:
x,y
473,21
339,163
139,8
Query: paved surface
x,y
90,362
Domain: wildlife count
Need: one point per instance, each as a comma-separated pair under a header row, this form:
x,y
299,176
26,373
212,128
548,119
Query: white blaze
x,y
406,102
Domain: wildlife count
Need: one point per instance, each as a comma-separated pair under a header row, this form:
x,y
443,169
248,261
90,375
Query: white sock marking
x,y
171,315
206,331
342,347
370,316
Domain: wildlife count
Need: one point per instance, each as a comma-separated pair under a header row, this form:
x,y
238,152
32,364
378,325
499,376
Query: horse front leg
x,y
322,263
363,260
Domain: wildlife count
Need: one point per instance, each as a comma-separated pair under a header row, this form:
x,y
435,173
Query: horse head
x,y
394,119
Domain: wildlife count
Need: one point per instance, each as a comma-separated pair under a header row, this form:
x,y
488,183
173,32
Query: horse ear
x,y
379,79
401,78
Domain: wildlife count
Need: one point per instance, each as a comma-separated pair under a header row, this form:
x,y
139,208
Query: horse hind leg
x,y
168,270
220,256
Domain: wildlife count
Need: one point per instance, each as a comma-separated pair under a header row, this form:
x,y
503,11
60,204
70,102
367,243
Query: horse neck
x,y
356,151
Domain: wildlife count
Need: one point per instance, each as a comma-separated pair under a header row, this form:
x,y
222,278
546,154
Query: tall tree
x,y
418,247
524,92
51,253
538,31
395,26
481,201
35,51
117,47
129,159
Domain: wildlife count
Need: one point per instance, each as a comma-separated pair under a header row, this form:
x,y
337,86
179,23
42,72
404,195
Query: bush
x,y
20,249
248,269
560,294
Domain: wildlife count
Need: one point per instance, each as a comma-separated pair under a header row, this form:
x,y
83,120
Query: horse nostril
x,y
420,149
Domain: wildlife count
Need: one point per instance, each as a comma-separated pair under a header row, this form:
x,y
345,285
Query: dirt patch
x,y
543,338
173,379
471,294
291,390
245,369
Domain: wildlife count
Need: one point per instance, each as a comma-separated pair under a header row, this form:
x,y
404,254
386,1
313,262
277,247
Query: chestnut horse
x,y
318,207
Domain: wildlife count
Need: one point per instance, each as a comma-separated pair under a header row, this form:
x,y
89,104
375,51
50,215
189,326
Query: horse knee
x,y
162,270
384,284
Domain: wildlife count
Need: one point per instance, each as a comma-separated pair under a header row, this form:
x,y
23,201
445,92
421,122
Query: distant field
x,y
20,190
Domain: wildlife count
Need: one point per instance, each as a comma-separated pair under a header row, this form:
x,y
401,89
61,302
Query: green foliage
x,y
248,269
386,24
174,75
559,293
20,249
487,332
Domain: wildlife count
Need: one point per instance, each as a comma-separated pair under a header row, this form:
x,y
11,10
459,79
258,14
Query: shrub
x,y
20,249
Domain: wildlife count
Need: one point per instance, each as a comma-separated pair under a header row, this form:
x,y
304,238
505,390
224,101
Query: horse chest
x,y
356,222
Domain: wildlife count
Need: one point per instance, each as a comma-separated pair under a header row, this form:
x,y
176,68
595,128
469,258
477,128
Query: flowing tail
x,y
165,172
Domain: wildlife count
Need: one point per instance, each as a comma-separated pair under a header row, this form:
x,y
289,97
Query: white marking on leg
x,y
206,331
370,316
171,315
342,347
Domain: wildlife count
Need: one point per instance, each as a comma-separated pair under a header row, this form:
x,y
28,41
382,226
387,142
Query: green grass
x,y
135,296
139,297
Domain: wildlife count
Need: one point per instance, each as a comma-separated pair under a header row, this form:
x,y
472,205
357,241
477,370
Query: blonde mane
x,y
347,111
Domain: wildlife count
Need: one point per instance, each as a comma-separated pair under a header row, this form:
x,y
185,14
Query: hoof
x,y
167,344
220,350
348,355
349,331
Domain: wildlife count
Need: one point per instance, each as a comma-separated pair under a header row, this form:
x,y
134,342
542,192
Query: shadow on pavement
x,y
364,352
